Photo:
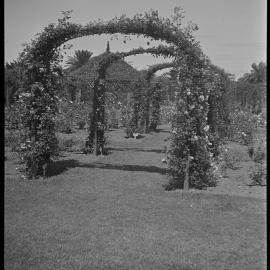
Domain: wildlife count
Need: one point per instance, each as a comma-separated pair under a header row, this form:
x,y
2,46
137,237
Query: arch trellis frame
x,y
41,61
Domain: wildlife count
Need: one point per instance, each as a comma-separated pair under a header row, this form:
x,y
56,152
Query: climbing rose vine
x,y
41,60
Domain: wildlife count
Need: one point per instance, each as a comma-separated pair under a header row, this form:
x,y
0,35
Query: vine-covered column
x,y
189,153
156,99
96,138
38,109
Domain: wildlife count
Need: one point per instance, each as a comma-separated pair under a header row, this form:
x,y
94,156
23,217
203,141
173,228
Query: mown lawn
x,y
112,212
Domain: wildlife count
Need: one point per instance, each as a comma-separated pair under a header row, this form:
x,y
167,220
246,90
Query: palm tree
x,y
258,73
80,58
252,87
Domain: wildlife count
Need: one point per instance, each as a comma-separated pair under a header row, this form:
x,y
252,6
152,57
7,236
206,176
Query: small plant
x,y
166,112
257,151
63,125
258,175
12,118
71,144
65,144
231,159
12,140
243,126
81,123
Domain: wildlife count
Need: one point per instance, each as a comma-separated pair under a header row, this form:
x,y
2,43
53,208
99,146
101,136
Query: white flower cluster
x,y
201,97
206,128
24,95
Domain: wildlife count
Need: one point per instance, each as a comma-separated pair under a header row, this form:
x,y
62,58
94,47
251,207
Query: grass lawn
x,y
112,212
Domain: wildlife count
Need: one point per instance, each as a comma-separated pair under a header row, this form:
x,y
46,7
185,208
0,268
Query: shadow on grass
x,y
124,167
61,166
158,151
58,167
159,130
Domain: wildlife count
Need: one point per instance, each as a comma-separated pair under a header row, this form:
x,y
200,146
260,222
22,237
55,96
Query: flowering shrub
x,y
71,144
167,112
243,126
258,175
231,158
70,114
155,106
113,109
38,142
132,115
12,117
257,150
191,138
12,140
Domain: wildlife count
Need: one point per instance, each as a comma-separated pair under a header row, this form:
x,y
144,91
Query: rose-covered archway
x,y
190,140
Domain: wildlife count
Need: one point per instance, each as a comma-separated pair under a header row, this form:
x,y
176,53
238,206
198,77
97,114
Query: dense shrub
x,y
243,126
231,158
38,141
257,150
71,144
71,114
155,106
12,117
258,175
166,112
64,124
12,140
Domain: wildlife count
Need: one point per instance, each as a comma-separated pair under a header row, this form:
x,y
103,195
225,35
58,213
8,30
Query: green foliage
x,y
243,126
71,144
155,106
12,118
191,132
167,111
251,89
41,60
231,158
39,144
257,150
13,75
80,58
112,111
258,175
12,140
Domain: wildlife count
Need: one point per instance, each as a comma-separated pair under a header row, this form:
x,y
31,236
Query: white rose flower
x,y
201,97
206,128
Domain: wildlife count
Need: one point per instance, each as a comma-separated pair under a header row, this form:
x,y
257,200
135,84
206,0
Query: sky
x,y
232,33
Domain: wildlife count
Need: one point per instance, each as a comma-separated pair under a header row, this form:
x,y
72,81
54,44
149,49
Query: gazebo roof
x,y
118,71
